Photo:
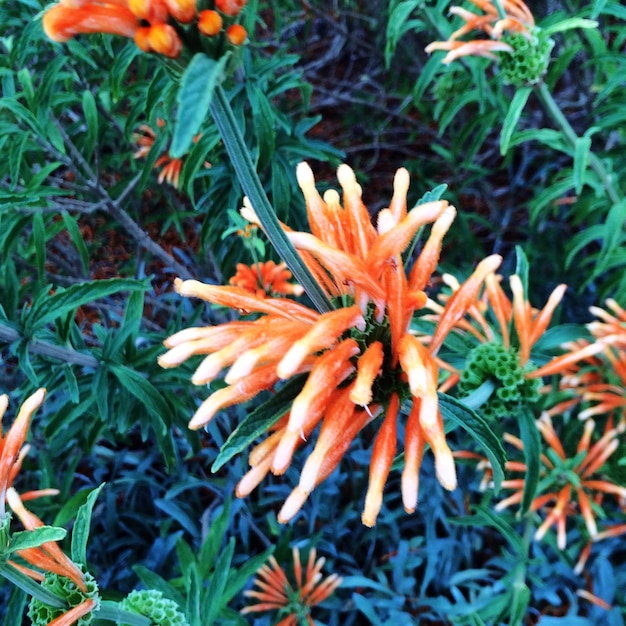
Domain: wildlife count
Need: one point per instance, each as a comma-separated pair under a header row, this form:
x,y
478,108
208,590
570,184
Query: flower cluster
x,y
265,279
511,30
154,25
357,362
276,592
170,166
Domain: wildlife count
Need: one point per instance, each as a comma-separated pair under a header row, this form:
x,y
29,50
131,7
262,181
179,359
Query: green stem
x,y
501,12
553,109
32,588
112,612
252,187
480,395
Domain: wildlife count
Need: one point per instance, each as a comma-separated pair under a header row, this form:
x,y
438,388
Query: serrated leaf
x,y
258,422
77,239
80,532
432,195
512,117
197,84
25,539
263,123
479,430
531,439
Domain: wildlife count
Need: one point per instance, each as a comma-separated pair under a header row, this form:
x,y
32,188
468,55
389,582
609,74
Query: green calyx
x,y
42,614
501,366
152,604
529,60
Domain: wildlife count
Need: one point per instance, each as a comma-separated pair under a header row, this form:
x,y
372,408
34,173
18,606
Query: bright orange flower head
x,y
518,19
13,450
277,593
570,483
265,279
356,362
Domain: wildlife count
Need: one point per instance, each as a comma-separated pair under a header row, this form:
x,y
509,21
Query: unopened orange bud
x,y
154,11
182,10
164,40
230,7
210,23
236,34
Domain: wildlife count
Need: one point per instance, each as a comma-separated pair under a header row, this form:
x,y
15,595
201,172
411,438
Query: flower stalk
x,y
553,109
246,173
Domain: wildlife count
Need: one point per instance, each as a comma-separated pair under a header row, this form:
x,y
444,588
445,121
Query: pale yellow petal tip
x,y
401,180
292,505
179,285
446,471
33,402
305,176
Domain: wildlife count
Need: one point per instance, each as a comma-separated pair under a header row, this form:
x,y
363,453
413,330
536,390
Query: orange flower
x,y
358,361
47,557
122,17
171,167
13,450
265,278
276,592
564,477
518,19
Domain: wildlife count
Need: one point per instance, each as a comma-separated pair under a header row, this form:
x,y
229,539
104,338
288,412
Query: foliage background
x,y
90,244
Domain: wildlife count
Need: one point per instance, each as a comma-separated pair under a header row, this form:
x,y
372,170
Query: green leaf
x,y
15,607
90,111
25,539
522,267
211,545
39,241
80,533
145,392
238,578
613,233
512,117
213,597
197,84
432,195
486,517
479,430
582,148
519,603
532,456
77,239
47,308
259,421
154,581
569,24
263,123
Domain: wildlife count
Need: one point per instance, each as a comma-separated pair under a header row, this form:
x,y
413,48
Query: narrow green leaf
x,y
201,77
145,392
80,533
569,24
613,233
263,123
39,242
479,430
519,603
213,541
25,539
486,517
432,195
77,239
258,422
154,581
90,110
47,308
238,578
214,595
512,117
532,456
15,607
110,611
582,149
522,266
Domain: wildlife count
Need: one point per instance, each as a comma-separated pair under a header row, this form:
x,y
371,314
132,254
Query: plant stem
x,y
501,12
553,109
252,187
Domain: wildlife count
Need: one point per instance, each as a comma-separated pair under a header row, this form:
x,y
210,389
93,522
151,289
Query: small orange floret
x,y
236,34
163,39
182,10
230,7
210,23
